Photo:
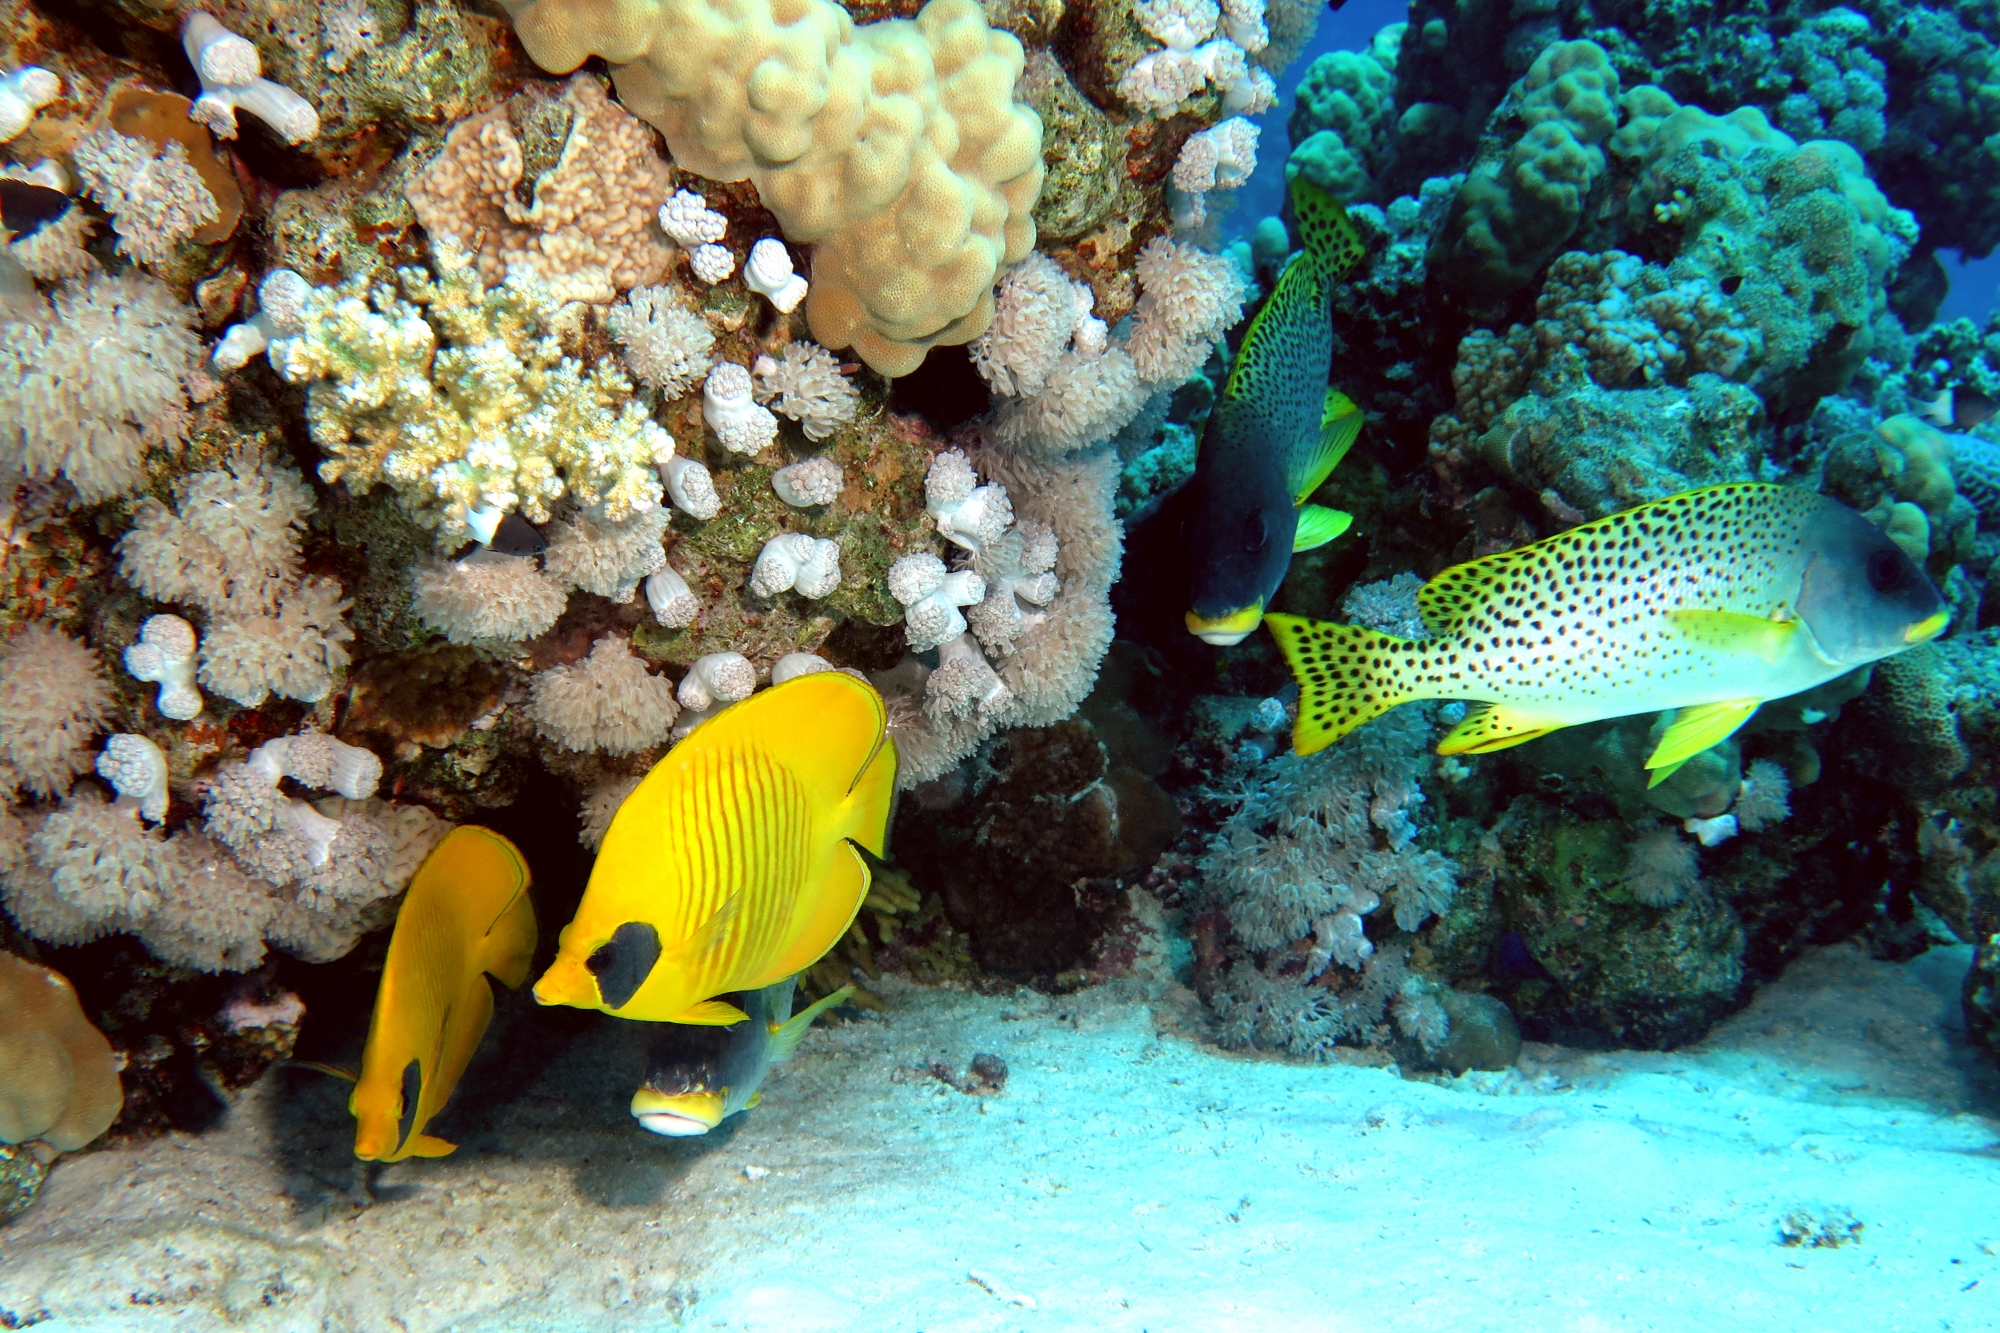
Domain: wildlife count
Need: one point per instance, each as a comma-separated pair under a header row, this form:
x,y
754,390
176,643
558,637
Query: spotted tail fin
x,y
1331,241
1347,675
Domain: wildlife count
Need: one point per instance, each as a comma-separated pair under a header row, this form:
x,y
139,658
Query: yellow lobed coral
x,y
462,398
588,232
58,1077
896,147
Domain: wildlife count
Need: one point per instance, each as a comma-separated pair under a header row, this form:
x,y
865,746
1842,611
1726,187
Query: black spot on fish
x,y
25,207
413,1087
517,536
622,964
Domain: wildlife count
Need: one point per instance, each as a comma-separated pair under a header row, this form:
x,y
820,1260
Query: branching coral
x,y
461,397
586,228
666,345
894,147
804,383
93,378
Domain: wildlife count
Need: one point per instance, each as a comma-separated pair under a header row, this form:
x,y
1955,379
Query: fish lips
x,y
1923,631
1226,630
679,1116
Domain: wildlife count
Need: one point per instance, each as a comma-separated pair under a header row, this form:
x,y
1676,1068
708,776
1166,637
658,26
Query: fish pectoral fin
x,y
1314,461
509,947
785,1036
711,934
711,1014
427,1145
755,1099
1319,525
1495,727
1694,729
1736,632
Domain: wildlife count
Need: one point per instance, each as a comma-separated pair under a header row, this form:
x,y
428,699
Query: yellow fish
x,y
467,914
1710,602
733,865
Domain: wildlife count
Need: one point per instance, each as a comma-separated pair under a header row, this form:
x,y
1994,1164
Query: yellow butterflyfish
x,y
466,916
1710,602
733,865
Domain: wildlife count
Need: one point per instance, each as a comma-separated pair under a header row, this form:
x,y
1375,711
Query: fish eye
x,y
1256,532
603,960
1885,571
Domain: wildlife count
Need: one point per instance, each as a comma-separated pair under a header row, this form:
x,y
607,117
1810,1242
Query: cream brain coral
x,y
896,147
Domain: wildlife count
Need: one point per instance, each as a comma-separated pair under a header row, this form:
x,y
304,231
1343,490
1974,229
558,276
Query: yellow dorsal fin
x,y
1347,675
1319,525
785,1036
1736,632
1693,730
1495,727
709,1013
1314,460
844,718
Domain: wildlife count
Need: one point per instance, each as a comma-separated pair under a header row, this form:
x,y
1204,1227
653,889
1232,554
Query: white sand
x,y
1127,1178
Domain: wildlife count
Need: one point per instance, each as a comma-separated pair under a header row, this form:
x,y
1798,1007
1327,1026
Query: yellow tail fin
x,y
1347,676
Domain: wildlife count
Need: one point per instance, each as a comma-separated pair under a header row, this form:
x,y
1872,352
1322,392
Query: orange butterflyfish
x,y
734,864
466,916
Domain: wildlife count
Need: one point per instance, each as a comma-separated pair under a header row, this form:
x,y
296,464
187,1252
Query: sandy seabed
x,y
1127,1177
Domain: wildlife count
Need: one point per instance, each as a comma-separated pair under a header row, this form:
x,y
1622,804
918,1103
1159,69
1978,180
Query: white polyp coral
x,y
666,346
1711,832
1188,299
812,481
793,665
137,770
1161,80
315,759
53,701
1246,90
23,93
607,701
154,195
804,383
606,558
712,263
1243,23
1765,796
165,655
688,221
672,601
931,598
1181,24
487,597
807,565
729,406
1020,579
964,682
232,80
768,272
717,678
1219,158
966,513
692,489
1037,312
281,299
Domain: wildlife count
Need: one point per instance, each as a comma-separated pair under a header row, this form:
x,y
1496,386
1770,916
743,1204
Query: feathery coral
x,y
804,383
607,701
487,597
54,699
155,197
666,345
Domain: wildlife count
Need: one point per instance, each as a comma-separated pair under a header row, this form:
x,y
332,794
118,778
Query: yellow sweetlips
x,y
733,865
467,914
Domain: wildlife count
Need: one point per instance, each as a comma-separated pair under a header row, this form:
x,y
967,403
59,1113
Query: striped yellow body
x,y
738,852
466,914
1690,602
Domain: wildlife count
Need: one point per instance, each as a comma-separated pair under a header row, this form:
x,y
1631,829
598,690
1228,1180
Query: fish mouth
x,y
1223,631
681,1116
1928,628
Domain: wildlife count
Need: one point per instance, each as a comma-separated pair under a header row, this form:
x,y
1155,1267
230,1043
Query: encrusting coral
x,y
58,1077
911,221
586,228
